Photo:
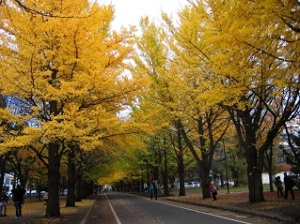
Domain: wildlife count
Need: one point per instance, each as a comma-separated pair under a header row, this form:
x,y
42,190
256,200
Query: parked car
x,y
192,184
32,193
230,182
195,184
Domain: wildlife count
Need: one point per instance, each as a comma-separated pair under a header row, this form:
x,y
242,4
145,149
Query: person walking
x,y
213,190
153,190
278,184
46,197
3,202
289,183
18,198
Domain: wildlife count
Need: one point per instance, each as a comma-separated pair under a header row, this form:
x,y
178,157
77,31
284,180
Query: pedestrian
x,y
155,187
213,190
18,198
278,184
151,191
3,203
46,197
289,183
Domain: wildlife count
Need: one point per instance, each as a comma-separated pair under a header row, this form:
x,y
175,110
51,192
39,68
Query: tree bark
x,y
165,174
79,187
204,162
53,209
270,165
181,173
254,174
3,169
205,182
70,202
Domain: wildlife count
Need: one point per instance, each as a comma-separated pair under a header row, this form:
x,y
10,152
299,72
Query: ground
x,y
275,208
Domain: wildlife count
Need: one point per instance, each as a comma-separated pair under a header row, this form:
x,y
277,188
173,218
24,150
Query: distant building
x,y
8,182
293,126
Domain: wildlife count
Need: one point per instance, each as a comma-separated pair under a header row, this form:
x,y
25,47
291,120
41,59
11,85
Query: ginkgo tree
x,y
178,86
67,69
249,54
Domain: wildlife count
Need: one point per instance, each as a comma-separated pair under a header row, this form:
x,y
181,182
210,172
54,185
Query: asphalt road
x,y
120,208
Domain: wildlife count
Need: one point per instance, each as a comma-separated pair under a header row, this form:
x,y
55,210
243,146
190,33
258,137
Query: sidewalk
x,y
33,212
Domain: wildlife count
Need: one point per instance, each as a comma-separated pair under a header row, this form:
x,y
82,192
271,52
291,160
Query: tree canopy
x,y
80,90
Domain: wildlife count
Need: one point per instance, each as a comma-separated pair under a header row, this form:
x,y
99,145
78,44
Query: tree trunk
x,y
222,179
53,209
141,182
205,183
79,187
70,202
254,174
181,174
270,165
165,174
3,168
206,156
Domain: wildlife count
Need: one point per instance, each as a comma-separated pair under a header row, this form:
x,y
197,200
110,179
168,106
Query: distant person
x,y
46,197
18,198
3,203
289,183
153,190
278,184
213,190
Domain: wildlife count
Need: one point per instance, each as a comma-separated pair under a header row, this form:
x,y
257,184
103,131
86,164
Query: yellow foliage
x,y
70,69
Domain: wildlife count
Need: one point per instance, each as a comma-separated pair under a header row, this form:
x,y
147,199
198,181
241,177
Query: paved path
x,y
101,212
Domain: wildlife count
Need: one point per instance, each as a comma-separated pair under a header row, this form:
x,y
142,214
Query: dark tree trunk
x,y
180,161
70,202
165,174
155,168
3,168
53,209
254,159
222,179
207,143
79,187
205,182
269,158
142,184
181,174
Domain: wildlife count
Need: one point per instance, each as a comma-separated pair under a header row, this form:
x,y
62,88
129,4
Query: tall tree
x,y
67,68
250,55
202,122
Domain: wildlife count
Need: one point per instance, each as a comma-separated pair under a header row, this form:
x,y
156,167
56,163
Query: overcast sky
x,y
128,12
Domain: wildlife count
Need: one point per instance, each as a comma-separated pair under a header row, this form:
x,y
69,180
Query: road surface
x,y
121,208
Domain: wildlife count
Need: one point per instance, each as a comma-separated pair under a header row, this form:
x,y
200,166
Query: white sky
x,y
129,12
